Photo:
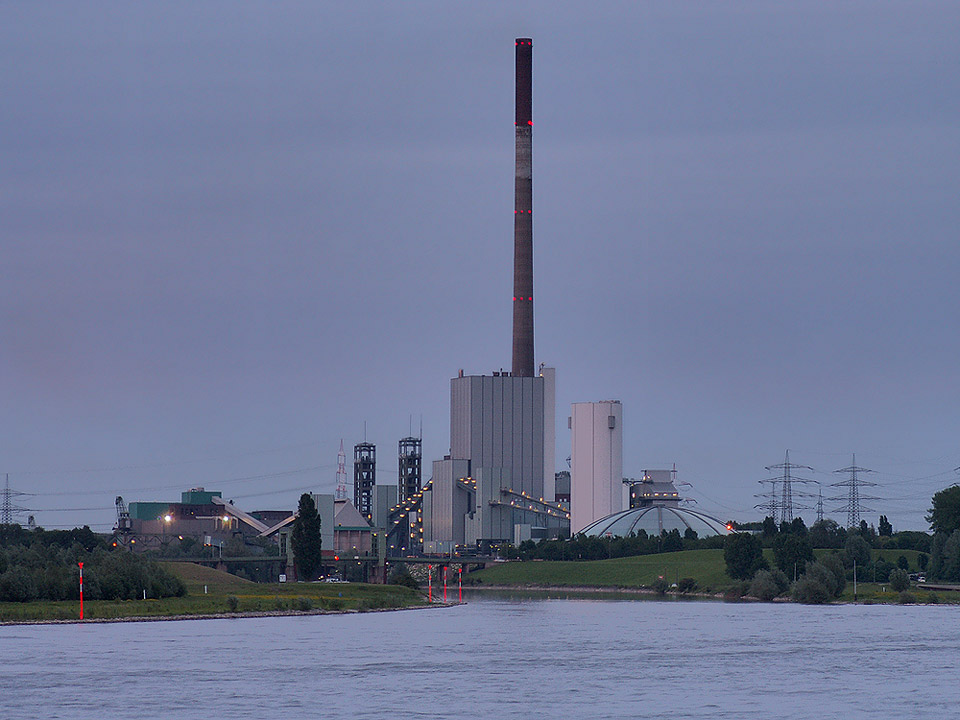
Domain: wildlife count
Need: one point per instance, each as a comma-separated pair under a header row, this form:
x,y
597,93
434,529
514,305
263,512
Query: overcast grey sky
x,y
232,233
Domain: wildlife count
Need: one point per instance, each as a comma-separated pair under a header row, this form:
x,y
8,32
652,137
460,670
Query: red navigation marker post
x,y
444,583
81,590
429,583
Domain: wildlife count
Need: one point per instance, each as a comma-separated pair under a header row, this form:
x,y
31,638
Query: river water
x,y
498,657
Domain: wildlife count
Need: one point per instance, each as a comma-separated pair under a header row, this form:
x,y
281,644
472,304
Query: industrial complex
x,y
498,485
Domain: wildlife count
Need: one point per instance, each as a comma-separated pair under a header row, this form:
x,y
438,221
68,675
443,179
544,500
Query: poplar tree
x,y
305,540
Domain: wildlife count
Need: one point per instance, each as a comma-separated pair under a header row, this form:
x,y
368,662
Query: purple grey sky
x,y
232,233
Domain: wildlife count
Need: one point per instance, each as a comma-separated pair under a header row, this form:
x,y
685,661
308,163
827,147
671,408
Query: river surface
x,y
498,657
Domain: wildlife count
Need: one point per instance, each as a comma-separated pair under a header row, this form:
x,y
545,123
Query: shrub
x,y
279,603
810,591
233,603
882,569
764,586
687,585
907,598
834,563
781,580
899,580
331,603
16,585
660,586
824,576
304,604
932,598
401,576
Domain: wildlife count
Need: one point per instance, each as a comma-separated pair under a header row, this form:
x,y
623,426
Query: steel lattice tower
x,y
853,508
772,500
786,481
341,473
8,510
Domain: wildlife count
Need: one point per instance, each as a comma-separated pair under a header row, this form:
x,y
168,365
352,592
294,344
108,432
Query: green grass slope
x,y
704,566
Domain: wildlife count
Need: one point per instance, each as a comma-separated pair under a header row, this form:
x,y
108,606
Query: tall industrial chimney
x,y
523,215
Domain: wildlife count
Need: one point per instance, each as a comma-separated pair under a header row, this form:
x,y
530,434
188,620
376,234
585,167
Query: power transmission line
x,y
8,510
853,508
782,501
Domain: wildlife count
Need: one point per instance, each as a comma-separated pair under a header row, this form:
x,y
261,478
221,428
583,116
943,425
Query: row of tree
x,y
743,554
814,581
584,547
829,534
944,519
44,565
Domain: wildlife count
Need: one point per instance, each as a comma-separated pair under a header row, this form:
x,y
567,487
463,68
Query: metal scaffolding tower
x,y
364,477
410,460
853,508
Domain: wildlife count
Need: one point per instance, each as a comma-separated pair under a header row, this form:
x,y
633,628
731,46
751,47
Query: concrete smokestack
x,y
523,215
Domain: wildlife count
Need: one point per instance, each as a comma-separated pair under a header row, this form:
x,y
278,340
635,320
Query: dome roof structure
x,y
654,519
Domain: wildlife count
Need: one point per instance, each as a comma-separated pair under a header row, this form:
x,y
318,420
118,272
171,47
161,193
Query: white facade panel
x,y
549,376
596,458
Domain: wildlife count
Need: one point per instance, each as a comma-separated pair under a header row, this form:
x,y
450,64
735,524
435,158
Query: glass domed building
x,y
655,508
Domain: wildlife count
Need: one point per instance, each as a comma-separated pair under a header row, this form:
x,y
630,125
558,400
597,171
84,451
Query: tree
x,y
856,549
881,570
743,554
305,539
672,541
884,527
825,576
950,567
827,534
808,590
944,516
791,553
834,563
899,580
769,527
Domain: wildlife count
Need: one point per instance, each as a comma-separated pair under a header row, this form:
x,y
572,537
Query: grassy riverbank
x,y
706,567
225,593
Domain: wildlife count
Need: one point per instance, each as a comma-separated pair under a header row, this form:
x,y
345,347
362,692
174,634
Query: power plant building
x,y
499,475
596,462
